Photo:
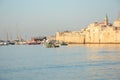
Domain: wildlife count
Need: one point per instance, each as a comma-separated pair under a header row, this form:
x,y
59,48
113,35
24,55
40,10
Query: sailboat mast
x,y
7,38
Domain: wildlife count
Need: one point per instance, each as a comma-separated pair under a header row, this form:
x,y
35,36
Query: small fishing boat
x,y
64,44
52,44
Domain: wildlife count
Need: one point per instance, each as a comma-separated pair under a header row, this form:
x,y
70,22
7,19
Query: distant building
x,y
116,23
51,38
95,33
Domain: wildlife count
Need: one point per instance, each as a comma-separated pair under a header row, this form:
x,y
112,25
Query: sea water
x,y
72,62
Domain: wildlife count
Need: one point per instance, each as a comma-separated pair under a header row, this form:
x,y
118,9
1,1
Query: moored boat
x,y
52,44
64,44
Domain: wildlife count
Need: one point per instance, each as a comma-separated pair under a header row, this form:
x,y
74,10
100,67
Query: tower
x,y
106,20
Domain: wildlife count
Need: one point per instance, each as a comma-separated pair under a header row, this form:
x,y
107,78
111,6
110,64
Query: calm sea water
x,y
74,62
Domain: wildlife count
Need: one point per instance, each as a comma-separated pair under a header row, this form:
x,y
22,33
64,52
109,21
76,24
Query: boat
x,y
2,43
52,44
64,44
11,43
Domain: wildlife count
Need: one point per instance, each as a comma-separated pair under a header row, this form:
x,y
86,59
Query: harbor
x,y
96,33
48,43
59,39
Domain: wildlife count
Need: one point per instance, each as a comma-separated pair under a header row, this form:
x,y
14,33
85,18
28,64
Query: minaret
x,y
106,20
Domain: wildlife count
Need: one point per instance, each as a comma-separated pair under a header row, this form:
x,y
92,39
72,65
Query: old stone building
x,y
95,33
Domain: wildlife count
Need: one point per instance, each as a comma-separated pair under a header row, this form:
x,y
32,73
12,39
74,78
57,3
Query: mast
x,y
7,38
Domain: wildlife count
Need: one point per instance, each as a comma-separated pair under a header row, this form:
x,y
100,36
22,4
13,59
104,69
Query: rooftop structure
x,y
117,23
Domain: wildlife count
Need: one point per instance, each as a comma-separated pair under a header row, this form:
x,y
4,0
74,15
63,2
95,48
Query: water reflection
x,y
88,52
104,52
103,46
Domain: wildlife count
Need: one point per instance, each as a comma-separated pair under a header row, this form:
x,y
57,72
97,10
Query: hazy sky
x,y
45,17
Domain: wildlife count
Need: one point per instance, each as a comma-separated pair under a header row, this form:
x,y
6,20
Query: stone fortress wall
x,y
95,33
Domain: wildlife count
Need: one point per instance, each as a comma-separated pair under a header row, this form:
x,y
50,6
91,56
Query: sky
x,y
29,18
